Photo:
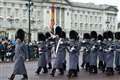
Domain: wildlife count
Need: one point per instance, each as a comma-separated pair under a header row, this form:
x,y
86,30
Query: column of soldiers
x,y
100,52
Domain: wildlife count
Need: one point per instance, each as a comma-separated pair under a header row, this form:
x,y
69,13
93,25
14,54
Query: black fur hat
x,y
20,34
93,34
41,37
117,35
73,35
105,35
58,30
110,34
100,37
47,35
86,36
63,34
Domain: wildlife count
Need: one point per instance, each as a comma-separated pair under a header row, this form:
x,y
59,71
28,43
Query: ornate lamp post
x,y
29,5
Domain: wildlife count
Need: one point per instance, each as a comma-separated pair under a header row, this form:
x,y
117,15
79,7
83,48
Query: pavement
x,y
7,68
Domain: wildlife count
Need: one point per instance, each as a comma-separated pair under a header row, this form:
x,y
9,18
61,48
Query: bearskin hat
x,y
93,34
73,35
58,30
105,35
20,34
47,35
41,37
86,36
100,37
63,34
117,35
110,34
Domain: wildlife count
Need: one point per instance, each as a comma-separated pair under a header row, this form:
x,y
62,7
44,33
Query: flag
x,y
52,21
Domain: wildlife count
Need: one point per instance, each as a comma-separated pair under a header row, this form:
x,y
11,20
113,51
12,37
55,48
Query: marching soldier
x,y
85,48
117,47
73,50
93,52
101,46
42,61
109,55
20,56
60,52
49,47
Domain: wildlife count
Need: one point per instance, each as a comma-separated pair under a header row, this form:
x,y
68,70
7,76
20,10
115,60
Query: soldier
x,y
109,54
85,46
20,56
100,51
73,50
49,47
42,61
117,57
60,51
93,53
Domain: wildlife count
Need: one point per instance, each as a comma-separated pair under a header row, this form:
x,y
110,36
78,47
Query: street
x,y
7,68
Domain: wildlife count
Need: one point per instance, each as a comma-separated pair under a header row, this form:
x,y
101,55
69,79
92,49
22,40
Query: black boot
x,y
61,71
12,77
83,64
49,66
87,67
91,69
53,72
118,69
70,72
75,73
78,69
38,70
64,66
101,65
109,71
95,70
45,70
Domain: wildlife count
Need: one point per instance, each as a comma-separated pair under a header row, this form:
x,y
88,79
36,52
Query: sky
x,y
109,2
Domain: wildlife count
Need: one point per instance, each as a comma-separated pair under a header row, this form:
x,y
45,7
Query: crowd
x,y
7,49
104,48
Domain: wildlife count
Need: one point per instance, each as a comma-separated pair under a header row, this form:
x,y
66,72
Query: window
x,y
13,4
100,18
86,18
81,17
76,25
114,20
95,18
5,3
86,26
91,26
83,12
67,13
88,12
24,12
75,16
0,11
9,11
93,13
91,19
81,25
38,13
100,27
96,26
17,12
